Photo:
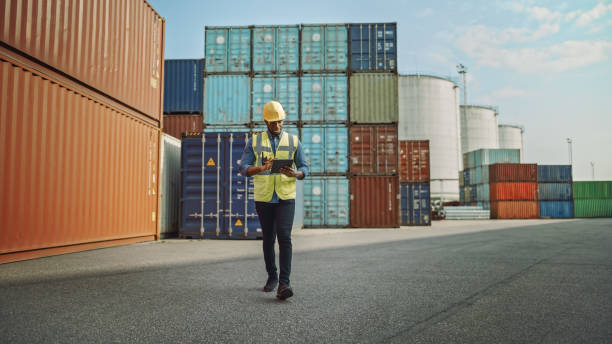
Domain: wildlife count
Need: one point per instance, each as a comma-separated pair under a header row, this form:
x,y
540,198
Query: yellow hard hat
x,y
273,111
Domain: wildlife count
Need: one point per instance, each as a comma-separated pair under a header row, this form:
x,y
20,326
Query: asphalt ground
x,y
531,281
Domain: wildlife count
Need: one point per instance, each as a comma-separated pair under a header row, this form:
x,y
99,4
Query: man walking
x,y
275,193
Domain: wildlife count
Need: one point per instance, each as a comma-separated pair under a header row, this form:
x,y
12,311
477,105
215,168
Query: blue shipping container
x,y
227,99
557,209
324,97
216,202
326,202
555,173
228,49
326,148
282,88
324,47
276,49
373,47
183,86
555,191
415,204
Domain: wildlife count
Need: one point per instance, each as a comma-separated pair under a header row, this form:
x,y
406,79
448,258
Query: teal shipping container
x,y
324,97
276,49
324,47
483,157
227,100
282,88
326,148
227,49
482,192
326,202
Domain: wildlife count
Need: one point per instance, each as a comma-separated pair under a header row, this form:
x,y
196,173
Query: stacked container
x,y
555,191
593,199
66,187
183,96
513,191
414,175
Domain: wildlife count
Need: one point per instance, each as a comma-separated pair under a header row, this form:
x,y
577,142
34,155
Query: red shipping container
x,y
115,47
374,201
513,191
513,173
414,161
373,149
176,125
515,210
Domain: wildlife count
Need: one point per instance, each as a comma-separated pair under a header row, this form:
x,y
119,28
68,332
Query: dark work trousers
x,y
276,220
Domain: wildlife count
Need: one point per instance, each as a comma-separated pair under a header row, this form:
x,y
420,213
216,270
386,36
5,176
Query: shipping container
x,y
513,191
183,86
276,49
482,194
324,98
228,49
555,191
461,179
374,201
593,190
515,210
467,180
326,201
513,173
593,207
227,129
415,207
462,194
469,194
373,98
556,209
373,149
216,201
483,157
414,161
554,173
227,99
282,88
324,47
169,185
115,47
477,175
373,47
326,148
77,170
176,125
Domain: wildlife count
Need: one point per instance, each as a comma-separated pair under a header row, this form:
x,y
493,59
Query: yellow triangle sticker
x,y
210,162
238,223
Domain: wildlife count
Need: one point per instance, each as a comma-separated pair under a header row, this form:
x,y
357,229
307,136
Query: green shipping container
x,y
373,98
593,190
593,208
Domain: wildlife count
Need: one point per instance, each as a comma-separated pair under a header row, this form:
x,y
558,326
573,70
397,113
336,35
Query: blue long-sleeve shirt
x,y
248,159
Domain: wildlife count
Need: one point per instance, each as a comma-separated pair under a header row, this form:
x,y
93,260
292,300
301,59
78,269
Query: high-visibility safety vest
x,y
265,182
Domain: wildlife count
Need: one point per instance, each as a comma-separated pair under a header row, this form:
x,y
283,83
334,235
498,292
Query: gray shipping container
x,y
170,183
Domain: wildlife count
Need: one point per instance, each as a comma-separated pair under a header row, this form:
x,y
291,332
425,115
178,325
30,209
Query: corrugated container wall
x,y
326,148
593,190
554,173
515,210
169,185
478,128
413,161
512,191
483,157
556,209
415,209
227,99
593,207
324,98
326,201
115,47
176,125
324,48
373,47
228,49
282,88
373,98
513,173
375,201
373,149
276,49
183,86
555,191
76,170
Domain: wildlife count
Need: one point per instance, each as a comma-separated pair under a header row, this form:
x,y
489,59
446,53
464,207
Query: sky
x,y
546,65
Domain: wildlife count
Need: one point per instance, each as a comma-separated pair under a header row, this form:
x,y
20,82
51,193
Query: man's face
x,y
275,127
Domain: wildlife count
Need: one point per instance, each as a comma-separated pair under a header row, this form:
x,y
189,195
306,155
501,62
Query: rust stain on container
x,y
414,161
513,191
373,149
513,173
515,210
374,201
74,171
114,46
176,125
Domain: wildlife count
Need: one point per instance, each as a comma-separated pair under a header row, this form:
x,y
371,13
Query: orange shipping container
x,y
75,172
414,161
373,149
114,46
176,125
513,173
374,201
513,191
515,210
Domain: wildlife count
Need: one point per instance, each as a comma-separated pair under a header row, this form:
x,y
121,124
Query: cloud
x,y
596,13
538,13
425,12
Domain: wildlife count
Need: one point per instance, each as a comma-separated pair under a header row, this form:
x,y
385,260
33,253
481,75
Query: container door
x,y
314,200
336,98
312,48
314,148
336,202
264,45
313,101
336,149
362,150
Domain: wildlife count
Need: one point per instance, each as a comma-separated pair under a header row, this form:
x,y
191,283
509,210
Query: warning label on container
x,y
238,223
210,162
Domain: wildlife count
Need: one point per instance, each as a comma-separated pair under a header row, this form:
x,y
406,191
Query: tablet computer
x,y
278,163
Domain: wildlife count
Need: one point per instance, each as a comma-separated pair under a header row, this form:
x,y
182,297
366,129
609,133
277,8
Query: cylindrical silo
x,y
511,137
478,128
429,110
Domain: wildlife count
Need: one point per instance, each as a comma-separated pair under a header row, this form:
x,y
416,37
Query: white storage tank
x,y
478,128
511,137
429,110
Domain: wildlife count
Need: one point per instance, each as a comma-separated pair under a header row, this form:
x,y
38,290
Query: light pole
x,y
461,69
569,150
593,170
